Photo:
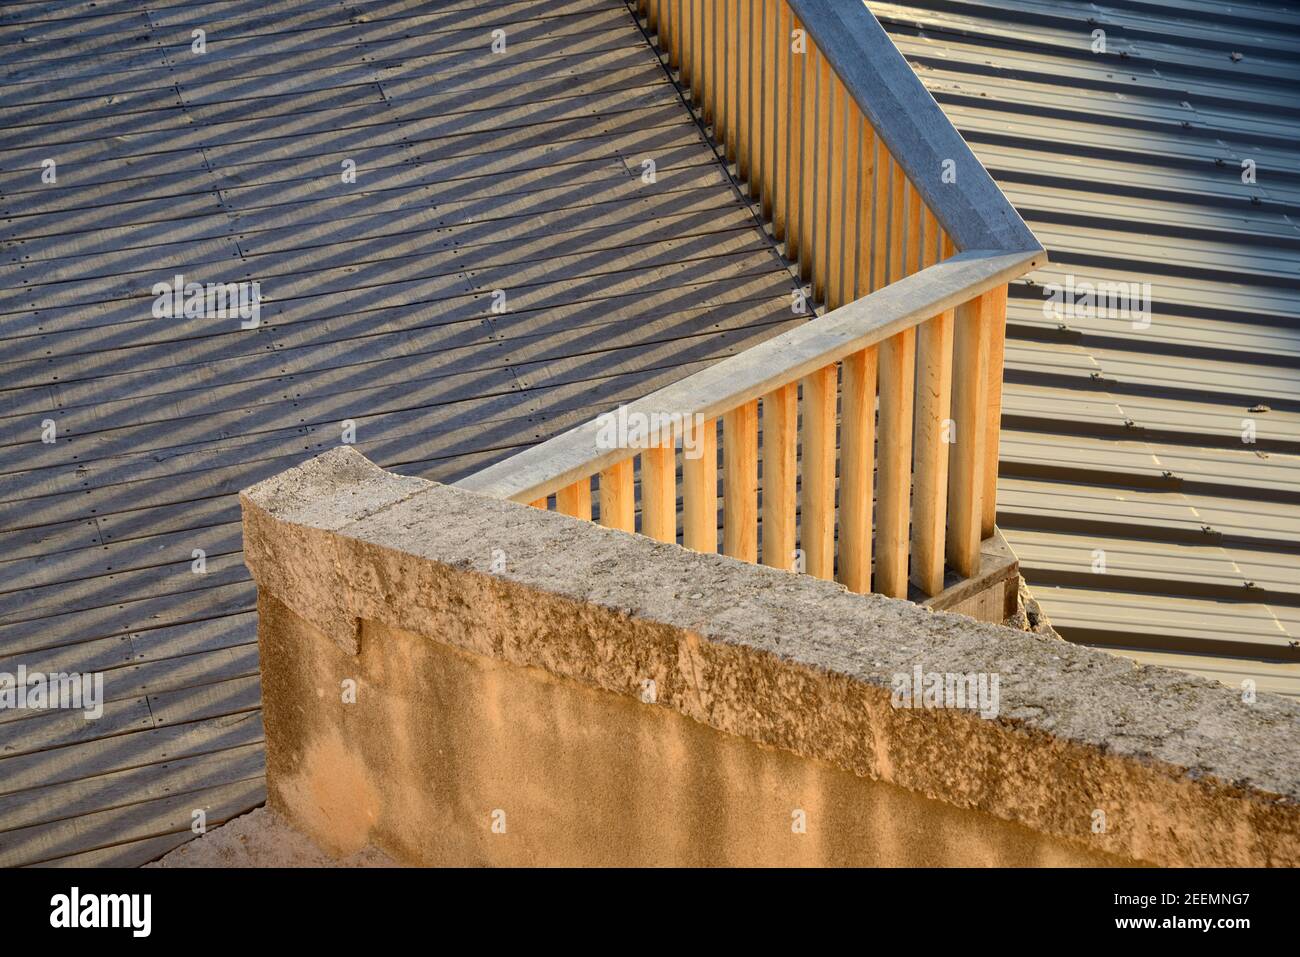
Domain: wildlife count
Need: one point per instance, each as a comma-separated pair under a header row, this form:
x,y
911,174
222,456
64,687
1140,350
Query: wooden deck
x,y
476,171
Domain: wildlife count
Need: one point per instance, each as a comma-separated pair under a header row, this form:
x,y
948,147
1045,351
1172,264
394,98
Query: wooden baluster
x,y
744,91
808,162
713,62
794,136
932,435
618,497
686,43
857,455
731,76
837,199
850,187
700,487
897,384
659,493
882,174
699,49
575,500
780,461
818,512
782,116
765,81
867,241
993,418
970,381
740,482
897,365
673,14
823,164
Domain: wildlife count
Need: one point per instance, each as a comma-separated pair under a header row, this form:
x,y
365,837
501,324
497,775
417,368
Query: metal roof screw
x,y
1235,56
1207,530
1168,474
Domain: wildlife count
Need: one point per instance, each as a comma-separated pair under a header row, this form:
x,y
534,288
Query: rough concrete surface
x,y
1185,771
263,838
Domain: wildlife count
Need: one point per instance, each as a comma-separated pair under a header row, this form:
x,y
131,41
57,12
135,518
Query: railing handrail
x,y
541,470
972,209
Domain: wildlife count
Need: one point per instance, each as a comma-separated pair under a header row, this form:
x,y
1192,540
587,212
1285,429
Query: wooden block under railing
x,y
970,377
575,500
740,482
700,488
780,479
618,497
818,512
659,493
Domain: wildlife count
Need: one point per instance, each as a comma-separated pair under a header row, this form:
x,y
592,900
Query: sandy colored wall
x,y
501,650
452,758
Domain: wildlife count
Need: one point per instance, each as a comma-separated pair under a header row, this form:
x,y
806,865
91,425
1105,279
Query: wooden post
x,y
766,78
575,500
897,383
857,455
932,435
700,489
882,174
808,162
740,482
839,144
730,76
818,512
851,187
868,241
659,493
970,378
744,88
897,368
794,189
618,497
993,433
782,116
780,458
823,159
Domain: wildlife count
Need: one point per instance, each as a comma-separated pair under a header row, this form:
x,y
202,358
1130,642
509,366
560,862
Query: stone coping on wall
x,y
1144,763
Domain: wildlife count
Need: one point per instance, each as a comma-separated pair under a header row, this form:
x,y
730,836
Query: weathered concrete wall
x,y
513,694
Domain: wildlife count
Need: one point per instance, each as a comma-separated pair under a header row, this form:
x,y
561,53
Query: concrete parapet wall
x,y
533,689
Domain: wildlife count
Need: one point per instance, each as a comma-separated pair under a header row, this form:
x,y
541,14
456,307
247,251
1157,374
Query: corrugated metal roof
x,y
1120,442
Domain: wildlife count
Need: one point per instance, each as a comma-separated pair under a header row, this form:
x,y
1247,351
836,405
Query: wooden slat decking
x,y
476,171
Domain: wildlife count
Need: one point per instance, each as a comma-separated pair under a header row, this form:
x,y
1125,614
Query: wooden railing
x,y
907,243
